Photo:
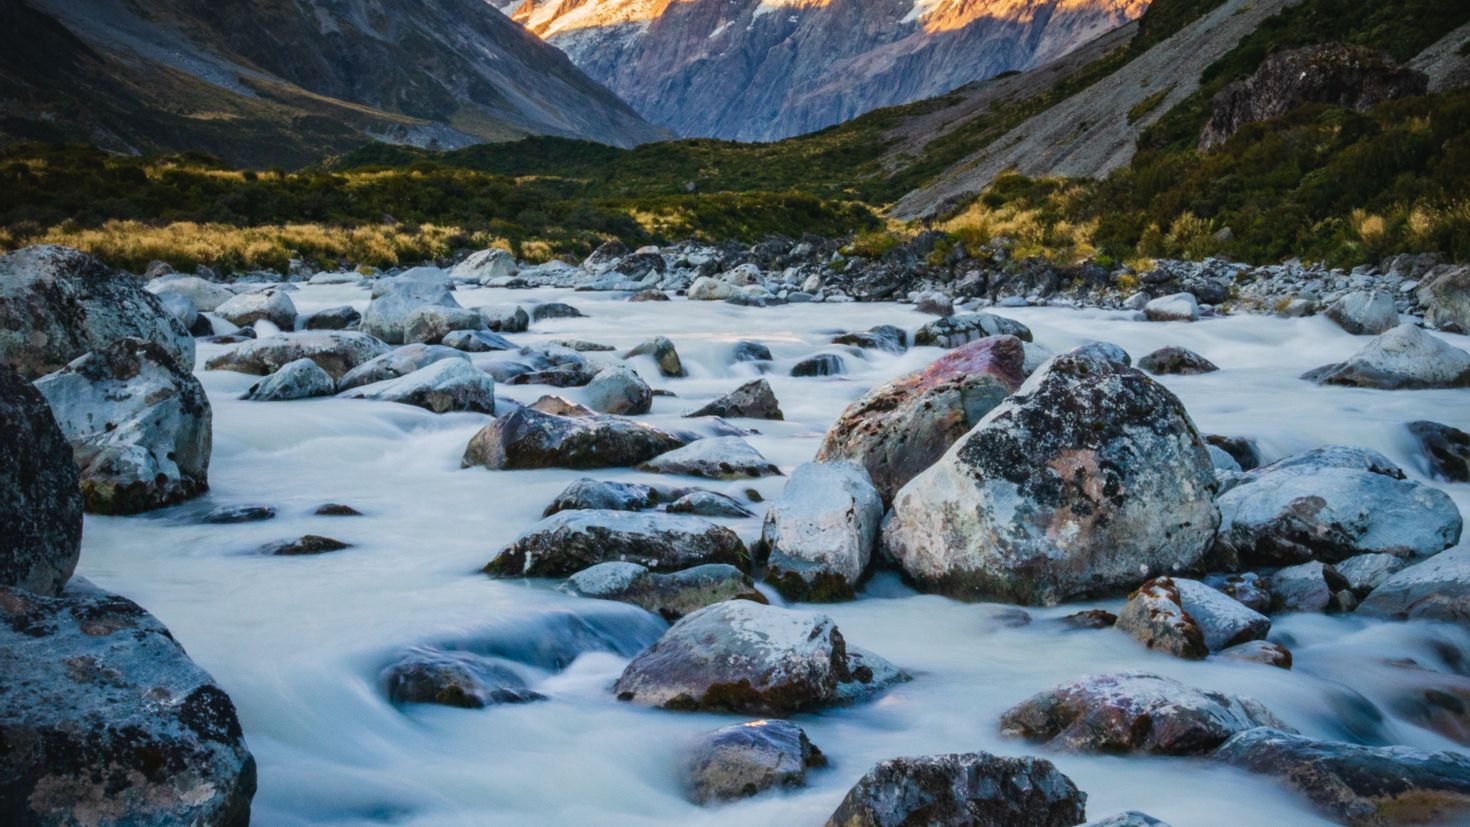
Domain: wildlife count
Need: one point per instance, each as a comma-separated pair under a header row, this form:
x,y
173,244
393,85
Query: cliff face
x,y
766,69
282,81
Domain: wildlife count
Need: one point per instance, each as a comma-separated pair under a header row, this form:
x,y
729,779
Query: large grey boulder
x,y
1178,307
753,400
1436,589
747,759
340,317
1404,358
40,493
1133,712
570,541
387,315
57,304
973,789
138,424
898,429
513,319
954,331
619,389
430,323
484,266
670,595
1189,619
1332,503
662,351
105,720
1364,786
444,386
754,659
400,361
338,352
425,675
1364,312
720,458
819,536
1090,479
527,438
205,294
1445,297
269,305
301,379
610,495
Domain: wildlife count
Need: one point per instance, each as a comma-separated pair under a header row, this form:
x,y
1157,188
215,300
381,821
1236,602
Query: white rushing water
x,y
298,642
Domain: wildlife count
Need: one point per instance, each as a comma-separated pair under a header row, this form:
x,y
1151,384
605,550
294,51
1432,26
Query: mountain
x,y
286,81
759,70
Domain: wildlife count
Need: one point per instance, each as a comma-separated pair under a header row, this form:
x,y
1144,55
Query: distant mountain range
x,y
287,81
758,70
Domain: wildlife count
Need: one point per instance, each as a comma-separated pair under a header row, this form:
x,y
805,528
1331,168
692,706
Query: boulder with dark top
x,y
720,458
391,364
1176,361
619,389
1447,449
753,400
823,364
957,330
973,789
670,595
608,495
333,318
301,379
426,675
527,438
1364,312
819,535
40,492
338,353
662,351
555,310
1404,358
747,759
569,541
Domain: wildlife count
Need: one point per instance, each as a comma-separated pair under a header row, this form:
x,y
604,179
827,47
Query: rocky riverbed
x,y
350,577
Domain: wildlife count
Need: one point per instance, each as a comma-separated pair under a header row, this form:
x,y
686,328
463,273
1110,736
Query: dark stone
x,y
554,310
333,318
526,438
743,760
40,492
337,510
306,544
569,541
431,676
228,514
823,364
750,352
1176,361
974,789
1446,448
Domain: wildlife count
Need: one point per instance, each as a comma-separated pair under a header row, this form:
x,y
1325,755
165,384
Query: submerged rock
x,y
570,541
555,310
1404,358
338,353
1446,448
1259,651
823,364
750,352
527,438
1176,361
747,759
1132,818
235,514
619,390
671,595
301,379
973,789
662,351
720,458
954,331
884,337
397,362
432,676
305,544
106,720
819,535
753,400
40,494
441,387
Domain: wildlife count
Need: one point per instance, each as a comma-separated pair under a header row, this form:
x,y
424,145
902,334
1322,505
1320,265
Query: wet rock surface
x,y
1404,358
663,353
301,379
1447,449
526,438
570,541
1176,361
336,352
819,536
1189,619
753,400
426,675
40,495
619,390
669,595
391,364
720,458
961,329
974,789
444,386
747,759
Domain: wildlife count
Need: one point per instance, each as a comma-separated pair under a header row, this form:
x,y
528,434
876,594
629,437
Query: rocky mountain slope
x,y
286,82
758,70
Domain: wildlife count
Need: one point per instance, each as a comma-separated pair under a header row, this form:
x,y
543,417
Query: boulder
x,y
57,304
935,304
397,362
1179,307
753,400
652,294
720,458
967,327
605,257
333,318
430,323
569,541
1091,478
1329,504
387,315
1259,651
235,514
619,389
1445,297
1176,361
823,364
555,310
1244,451
1105,350
506,319
589,494
1447,449
1133,712
560,406
1189,619
708,504
1365,786
750,352
1248,588
339,353
1364,312
306,544
1436,589
139,426
670,595
205,294
752,659
444,386
1404,358
269,305
40,493
1132,818
482,266
901,428
884,337
337,277
708,289
301,379
1309,587
664,355
819,535
181,307
105,719
973,789
425,675
747,759
1366,572
527,438
476,341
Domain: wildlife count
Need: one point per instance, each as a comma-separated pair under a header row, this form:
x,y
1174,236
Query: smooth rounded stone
x,y
884,337
670,595
445,386
1132,818
513,319
618,389
430,323
1404,358
823,364
425,675
752,659
181,307
1364,312
570,541
750,352
652,294
1178,307
387,315
270,305
57,304
663,354
301,379
719,458
40,492
708,504
898,429
1104,350
107,721
476,341
1358,785
1308,587
747,759
1133,712
482,266
1366,572
1189,619
753,400
333,318
1090,479
1248,588
973,789
1446,449
709,289
400,361
527,438
138,424
338,352
304,545
1436,589
205,294
1259,651
1330,504
967,327
336,510
555,310
560,406
1445,297
1176,361
606,495
1244,451
819,535
233,514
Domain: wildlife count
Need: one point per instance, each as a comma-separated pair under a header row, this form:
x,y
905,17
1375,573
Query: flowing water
x,y
299,642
